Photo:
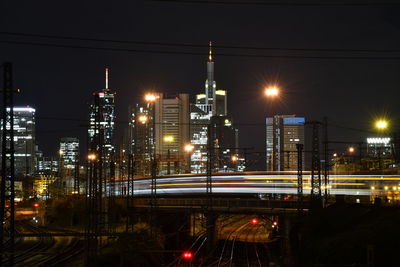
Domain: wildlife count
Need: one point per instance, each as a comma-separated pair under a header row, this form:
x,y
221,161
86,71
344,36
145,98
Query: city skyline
x,y
47,76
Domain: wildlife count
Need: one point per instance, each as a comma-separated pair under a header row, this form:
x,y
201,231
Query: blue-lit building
x,y
283,132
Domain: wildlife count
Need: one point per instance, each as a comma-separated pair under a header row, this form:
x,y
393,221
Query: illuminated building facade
x,y
172,132
24,141
283,132
141,137
69,152
102,110
211,107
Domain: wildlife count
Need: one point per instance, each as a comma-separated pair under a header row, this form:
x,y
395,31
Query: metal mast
x,y
7,229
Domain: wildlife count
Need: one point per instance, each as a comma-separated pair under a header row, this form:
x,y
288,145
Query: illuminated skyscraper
x,y
69,152
211,106
283,132
24,141
141,137
102,111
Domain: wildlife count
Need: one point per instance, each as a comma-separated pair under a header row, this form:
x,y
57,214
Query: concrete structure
x,y
24,141
283,132
171,132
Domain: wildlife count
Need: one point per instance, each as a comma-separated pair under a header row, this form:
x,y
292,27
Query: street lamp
x,y
168,139
272,91
143,119
381,124
150,97
351,149
188,148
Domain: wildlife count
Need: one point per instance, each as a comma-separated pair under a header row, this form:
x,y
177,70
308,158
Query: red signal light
x,y
187,255
36,205
254,221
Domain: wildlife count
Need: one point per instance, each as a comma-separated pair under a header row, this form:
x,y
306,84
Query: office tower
x,y
69,154
24,141
141,137
102,122
213,103
171,132
283,132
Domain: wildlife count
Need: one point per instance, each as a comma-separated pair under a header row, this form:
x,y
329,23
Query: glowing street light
x,y
150,97
188,148
234,158
271,91
91,157
381,124
143,119
351,149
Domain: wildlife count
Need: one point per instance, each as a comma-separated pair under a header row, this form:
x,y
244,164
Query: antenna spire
x,y
106,78
210,52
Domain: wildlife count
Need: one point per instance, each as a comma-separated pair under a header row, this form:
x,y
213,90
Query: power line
x,y
202,54
284,3
193,45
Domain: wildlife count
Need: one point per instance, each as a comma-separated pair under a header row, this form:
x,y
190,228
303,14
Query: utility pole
x,y
326,159
315,166
210,217
300,176
7,227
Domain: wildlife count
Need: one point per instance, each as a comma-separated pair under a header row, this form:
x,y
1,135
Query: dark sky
x,y
58,82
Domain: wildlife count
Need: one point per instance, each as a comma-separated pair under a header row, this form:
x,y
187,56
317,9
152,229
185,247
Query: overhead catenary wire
x,y
286,3
194,45
186,53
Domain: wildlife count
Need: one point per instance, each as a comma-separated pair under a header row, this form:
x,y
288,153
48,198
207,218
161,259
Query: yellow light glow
x,y
220,92
91,156
168,138
372,187
381,124
150,97
234,158
335,154
351,149
143,119
189,148
386,188
61,152
271,91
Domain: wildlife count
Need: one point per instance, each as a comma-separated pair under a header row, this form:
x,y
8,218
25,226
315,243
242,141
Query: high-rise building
x,y
24,141
211,107
166,121
141,143
102,121
283,132
69,153
171,132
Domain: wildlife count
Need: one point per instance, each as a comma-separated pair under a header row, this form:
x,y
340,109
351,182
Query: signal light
x,y
254,221
187,255
36,205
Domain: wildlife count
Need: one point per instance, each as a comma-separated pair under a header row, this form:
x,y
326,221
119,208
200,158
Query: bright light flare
x,y
381,124
168,138
254,221
189,148
271,91
187,255
143,119
36,205
234,158
150,97
91,156
351,149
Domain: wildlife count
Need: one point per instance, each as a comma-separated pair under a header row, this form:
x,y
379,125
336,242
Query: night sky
x,y
59,82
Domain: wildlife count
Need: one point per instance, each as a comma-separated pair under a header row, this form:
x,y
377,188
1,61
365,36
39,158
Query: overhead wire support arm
x,y
7,190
